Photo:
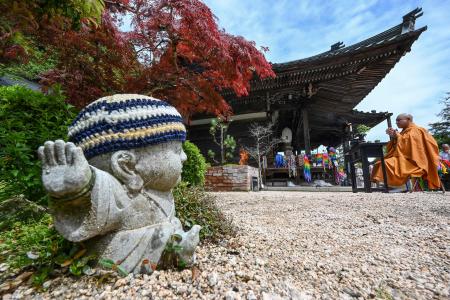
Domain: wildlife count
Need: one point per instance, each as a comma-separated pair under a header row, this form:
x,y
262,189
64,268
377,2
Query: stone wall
x,y
230,178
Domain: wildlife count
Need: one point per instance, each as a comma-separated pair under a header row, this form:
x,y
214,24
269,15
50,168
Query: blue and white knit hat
x,y
125,121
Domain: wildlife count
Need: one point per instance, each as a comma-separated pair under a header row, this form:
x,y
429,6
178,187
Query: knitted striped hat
x,y
125,121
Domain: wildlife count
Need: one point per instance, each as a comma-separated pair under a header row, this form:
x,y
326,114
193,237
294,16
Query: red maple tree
x,y
21,23
174,50
188,59
92,61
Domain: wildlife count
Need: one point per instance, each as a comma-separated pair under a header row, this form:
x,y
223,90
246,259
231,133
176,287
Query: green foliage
x,y
212,155
194,168
18,209
226,142
36,245
90,10
29,119
441,129
32,245
362,129
37,64
171,256
230,146
195,207
110,264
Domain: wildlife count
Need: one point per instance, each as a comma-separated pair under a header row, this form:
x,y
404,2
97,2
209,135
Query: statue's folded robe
x,y
414,153
118,227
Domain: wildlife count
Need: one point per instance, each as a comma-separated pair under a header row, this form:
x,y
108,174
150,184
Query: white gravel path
x,y
297,245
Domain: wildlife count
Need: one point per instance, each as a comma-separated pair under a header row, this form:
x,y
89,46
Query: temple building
x,y
314,98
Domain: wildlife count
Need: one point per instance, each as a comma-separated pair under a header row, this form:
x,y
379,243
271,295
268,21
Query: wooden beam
x,y
249,116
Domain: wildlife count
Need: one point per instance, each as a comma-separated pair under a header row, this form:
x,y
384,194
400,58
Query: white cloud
x,y
295,29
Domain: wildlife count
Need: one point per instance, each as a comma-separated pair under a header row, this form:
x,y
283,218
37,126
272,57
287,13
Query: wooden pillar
x,y
389,123
306,131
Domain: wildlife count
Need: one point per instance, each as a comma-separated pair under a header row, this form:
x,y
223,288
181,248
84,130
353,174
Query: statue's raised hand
x,y
65,170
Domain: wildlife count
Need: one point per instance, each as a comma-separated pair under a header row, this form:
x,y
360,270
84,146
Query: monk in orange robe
x,y
413,152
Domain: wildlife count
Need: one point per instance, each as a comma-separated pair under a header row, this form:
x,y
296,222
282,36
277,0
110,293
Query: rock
x,y
351,292
182,289
213,278
232,261
32,255
47,284
130,277
260,262
120,282
270,296
303,296
231,295
163,294
4,267
58,292
251,295
442,290
29,292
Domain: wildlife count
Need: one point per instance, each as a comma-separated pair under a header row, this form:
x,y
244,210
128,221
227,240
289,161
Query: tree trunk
x,y
222,154
259,169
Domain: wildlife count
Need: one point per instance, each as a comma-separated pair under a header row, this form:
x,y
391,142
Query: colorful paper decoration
x,y
306,169
326,161
319,159
332,154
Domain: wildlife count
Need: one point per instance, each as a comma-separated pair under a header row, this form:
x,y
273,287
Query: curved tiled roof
x,y
342,61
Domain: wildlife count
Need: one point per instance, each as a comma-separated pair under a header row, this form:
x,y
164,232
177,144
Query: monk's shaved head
x,y
403,120
405,116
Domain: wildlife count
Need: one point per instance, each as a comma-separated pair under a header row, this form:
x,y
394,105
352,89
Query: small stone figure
x,y
111,185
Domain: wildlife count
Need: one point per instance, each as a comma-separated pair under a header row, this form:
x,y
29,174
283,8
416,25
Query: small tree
x,y
361,130
226,142
264,141
441,129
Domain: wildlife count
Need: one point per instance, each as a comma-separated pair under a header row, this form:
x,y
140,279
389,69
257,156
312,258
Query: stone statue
x,y
111,184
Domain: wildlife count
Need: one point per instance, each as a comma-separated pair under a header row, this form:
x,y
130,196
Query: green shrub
x,y
195,207
28,119
19,209
194,168
34,245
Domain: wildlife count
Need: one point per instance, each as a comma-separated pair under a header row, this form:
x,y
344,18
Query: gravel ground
x,y
297,245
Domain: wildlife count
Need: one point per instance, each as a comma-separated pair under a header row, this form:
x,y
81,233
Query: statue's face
x,y
160,166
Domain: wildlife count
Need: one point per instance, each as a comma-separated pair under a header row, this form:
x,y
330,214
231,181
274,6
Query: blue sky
x,y
294,29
